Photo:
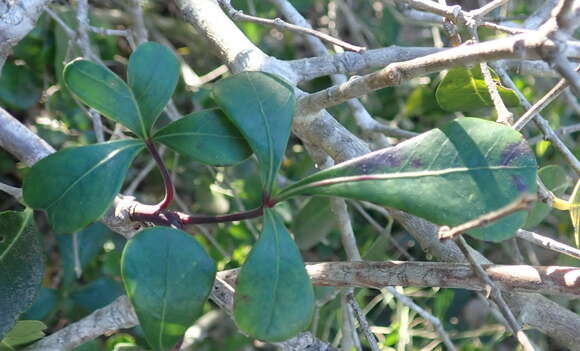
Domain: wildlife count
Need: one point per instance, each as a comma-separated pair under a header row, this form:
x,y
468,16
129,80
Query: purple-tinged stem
x,y
169,188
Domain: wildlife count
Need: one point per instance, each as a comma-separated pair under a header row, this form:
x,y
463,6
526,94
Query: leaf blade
x,y
206,136
449,176
274,297
152,88
87,177
261,106
103,90
21,265
464,89
166,293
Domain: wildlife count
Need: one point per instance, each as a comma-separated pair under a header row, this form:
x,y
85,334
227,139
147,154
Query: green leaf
x,y
206,136
97,294
167,276
21,265
103,90
449,176
152,75
44,304
555,179
464,89
274,297
20,87
90,243
24,332
313,222
261,105
76,186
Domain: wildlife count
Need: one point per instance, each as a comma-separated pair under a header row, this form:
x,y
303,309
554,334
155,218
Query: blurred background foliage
x,y
82,269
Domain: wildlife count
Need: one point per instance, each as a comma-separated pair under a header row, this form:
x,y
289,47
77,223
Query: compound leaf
x,y
152,75
21,265
103,90
464,89
274,297
76,186
261,105
207,136
449,176
167,276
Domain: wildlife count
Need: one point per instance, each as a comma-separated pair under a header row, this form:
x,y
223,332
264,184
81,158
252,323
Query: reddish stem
x,y
153,214
257,212
169,188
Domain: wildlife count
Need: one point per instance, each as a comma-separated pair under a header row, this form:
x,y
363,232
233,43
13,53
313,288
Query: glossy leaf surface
x,y
450,175
21,265
274,298
555,179
103,90
261,105
207,136
464,89
167,276
152,75
76,186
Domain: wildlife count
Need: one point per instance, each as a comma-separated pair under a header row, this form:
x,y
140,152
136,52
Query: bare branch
x,y
17,19
139,29
530,46
531,309
237,15
548,243
541,123
496,296
353,63
362,321
541,104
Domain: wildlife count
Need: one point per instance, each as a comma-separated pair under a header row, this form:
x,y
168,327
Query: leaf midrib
x,y
169,135
387,176
269,176
84,175
19,233
130,97
277,275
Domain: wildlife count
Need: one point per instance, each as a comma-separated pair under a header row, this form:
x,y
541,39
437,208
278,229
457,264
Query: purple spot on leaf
x,y
519,184
512,152
382,159
416,163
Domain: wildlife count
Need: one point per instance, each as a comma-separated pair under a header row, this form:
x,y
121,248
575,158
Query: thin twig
x,y
548,243
496,296
278,23
503,114
560,131
363,324
139,29
382,230
109,31
541,104
521,203
541,123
